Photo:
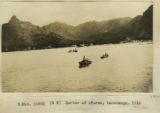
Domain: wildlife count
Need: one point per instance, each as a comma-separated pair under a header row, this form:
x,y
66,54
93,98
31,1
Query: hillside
x,y
22,35
139,28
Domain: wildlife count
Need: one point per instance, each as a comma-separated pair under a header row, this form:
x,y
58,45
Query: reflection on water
x,y
127,69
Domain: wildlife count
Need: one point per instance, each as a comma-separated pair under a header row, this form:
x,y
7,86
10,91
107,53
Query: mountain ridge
x,y
23,35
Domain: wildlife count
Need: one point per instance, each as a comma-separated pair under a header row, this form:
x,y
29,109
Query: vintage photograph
x,y
77,47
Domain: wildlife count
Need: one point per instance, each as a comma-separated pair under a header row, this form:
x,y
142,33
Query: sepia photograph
x,y
77,47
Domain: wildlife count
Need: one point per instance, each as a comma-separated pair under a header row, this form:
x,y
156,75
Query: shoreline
x,y
135,41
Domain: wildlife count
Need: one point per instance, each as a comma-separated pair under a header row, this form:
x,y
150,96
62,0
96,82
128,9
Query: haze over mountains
x,y
21,35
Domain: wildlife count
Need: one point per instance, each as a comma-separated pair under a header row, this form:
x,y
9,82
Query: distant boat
x,y
104,56
69,51
85,62
74,50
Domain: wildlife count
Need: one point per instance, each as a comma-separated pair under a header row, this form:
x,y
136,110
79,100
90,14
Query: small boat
x,y
85,62
69,51
104,56
74,50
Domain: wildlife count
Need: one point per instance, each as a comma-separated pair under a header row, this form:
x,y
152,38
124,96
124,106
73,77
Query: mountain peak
x,y
14,19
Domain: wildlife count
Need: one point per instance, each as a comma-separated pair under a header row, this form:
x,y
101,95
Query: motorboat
x,y
104,56
85,62
74,50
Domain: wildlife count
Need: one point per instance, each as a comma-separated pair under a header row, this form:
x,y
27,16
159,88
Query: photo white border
x,y
8,100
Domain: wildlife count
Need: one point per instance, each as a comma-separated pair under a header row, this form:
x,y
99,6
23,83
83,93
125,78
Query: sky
x,y
73,13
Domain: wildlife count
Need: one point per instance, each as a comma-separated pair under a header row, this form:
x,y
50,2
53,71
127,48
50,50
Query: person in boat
x,y
105,54
85,62
75,50
84,58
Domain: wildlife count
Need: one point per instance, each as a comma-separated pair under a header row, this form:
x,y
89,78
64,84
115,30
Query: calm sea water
x,y
127,69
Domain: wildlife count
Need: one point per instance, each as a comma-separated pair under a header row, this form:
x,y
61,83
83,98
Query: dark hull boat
x,y
84,63
75,50
104,56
